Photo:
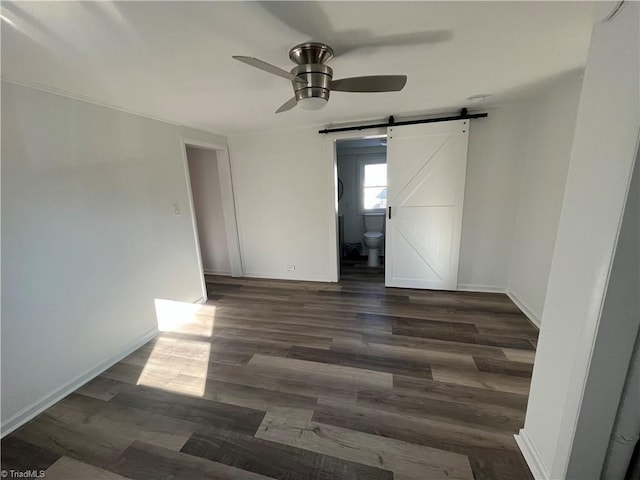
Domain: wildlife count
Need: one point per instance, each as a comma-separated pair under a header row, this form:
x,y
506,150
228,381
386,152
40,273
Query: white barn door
x,y
426,165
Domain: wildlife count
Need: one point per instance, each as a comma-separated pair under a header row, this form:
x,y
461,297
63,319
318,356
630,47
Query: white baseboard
x,y
276,276
531,456
225,273
37,407
525,309
470,287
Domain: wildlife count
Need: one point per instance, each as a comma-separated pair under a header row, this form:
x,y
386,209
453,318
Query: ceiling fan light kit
x,y
311,103
312,79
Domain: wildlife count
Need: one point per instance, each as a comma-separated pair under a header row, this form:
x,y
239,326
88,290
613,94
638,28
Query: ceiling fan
x,y
312,79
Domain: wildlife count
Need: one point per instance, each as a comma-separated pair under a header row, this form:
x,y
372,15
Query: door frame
x,y
332,194
228,205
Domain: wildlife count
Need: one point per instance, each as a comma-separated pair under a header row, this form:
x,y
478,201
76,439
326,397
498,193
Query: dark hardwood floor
x,y
300,380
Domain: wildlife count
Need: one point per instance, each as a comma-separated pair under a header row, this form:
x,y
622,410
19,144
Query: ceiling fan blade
x,y
288,105
374,83
267,67
313,19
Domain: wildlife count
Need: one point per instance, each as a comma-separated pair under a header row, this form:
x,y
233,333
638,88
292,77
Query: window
x,y
373,185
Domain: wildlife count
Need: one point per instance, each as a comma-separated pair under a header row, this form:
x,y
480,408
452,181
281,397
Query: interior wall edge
x,y
38,406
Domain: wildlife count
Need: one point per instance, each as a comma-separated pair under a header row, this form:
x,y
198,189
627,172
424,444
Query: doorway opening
x,y
362,203
212,209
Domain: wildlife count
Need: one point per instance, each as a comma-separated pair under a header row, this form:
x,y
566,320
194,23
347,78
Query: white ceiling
x,y
172,60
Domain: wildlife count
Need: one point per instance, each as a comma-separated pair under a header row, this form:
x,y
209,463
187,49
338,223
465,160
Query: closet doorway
x,y
212,208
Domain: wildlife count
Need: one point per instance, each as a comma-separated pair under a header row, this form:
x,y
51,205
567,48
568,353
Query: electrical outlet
x,y
291,268
176,209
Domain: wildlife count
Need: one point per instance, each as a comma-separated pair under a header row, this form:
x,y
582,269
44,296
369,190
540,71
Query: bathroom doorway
x,y
362,203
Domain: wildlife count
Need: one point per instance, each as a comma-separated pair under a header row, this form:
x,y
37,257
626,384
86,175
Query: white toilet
x,y
373,238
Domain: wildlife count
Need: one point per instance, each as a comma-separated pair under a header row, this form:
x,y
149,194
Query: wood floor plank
x,y
103,388
504,341
493,464
142,461
19,455
417,387
420,431
123,372
487,302
277,460
205,413
427,325
172,365
462,336
497,418
265,334
505,367
406,460
321,321
403,354
67,469
490,381
256,398
286,381
291,325
411,368
465,315
96,432
434,345
355,376
523,356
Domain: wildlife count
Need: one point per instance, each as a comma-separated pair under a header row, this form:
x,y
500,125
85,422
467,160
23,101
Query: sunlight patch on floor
x,y
180,363
177,365
185,318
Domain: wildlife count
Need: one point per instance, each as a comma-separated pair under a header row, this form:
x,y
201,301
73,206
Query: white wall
x,y
89,240
207,203
494,168
551,123
600,167
610,360
282,184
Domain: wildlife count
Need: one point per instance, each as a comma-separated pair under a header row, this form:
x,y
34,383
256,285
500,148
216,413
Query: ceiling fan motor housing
x,y
309,59
318,77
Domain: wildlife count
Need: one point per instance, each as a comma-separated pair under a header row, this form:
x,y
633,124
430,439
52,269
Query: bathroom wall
x,y
348,156
285,204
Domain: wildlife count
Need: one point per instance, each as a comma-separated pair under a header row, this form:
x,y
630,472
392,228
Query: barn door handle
x,y
389,213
